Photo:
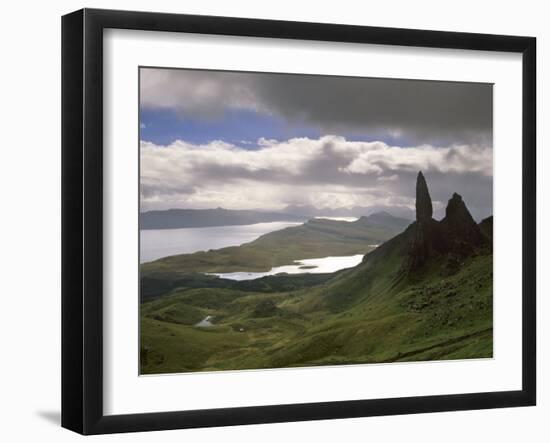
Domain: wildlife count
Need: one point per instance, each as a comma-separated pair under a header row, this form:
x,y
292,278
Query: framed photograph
x,y
269,221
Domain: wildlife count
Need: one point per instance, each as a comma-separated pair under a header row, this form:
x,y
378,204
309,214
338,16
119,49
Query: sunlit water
x,y
311,265
158,243
205,322
346,219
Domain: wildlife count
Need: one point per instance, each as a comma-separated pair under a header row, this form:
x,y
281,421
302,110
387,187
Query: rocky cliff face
x,y
457,234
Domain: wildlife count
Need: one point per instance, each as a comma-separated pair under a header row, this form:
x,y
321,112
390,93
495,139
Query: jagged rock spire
x,y
457,210
424,210
462,232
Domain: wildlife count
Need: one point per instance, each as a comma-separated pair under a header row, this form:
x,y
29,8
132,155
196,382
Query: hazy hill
x,y
200,218
387,221
355,211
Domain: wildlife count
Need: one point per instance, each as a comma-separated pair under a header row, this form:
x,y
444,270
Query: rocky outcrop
x,y
457,234
462,233
425,239
486,227
424,210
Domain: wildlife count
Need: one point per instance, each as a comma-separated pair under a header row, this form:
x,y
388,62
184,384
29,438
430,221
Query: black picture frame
x,y
82,218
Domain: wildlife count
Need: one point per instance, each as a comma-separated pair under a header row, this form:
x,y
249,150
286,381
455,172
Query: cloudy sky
x,y
265,141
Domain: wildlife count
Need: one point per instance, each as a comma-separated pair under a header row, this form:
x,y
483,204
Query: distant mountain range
x,y
202,218
355,211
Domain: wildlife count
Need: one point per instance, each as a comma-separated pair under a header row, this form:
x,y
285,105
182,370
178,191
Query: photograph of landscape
x,y
291,220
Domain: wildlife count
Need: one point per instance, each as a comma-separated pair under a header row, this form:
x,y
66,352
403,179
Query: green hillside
x,y
430,318
426,294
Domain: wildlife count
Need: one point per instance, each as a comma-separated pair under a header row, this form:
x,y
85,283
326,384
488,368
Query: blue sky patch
x,y
239,127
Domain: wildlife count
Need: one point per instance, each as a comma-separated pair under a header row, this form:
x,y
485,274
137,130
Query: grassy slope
x,y
371,313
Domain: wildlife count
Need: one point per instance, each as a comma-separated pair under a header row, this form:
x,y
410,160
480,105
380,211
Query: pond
x,y
311,265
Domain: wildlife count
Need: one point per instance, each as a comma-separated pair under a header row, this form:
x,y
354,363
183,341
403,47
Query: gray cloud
x,y
446,126
421,111
327,172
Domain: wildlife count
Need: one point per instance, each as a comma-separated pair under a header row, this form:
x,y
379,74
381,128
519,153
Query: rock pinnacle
x,y
424,208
